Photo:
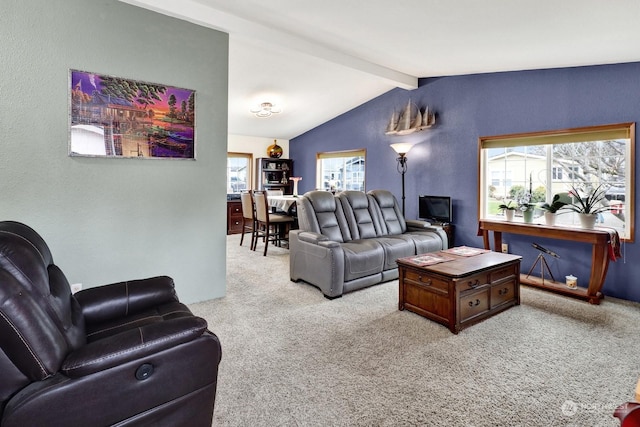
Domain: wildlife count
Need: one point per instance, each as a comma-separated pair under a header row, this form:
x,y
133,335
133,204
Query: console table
x,y
599,239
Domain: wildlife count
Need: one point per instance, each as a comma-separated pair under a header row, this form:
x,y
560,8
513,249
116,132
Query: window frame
x,y
249,157
362,152
557,137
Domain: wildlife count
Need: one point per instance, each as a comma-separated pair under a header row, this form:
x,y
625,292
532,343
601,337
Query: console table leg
x,y
485,239
497,241
599,267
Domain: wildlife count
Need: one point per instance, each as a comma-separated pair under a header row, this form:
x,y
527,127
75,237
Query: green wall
x,y
108,220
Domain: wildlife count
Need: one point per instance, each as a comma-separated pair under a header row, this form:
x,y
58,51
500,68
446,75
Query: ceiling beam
x,y
235,26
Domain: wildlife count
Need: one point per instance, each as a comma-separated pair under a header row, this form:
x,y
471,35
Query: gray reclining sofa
x,y
351,240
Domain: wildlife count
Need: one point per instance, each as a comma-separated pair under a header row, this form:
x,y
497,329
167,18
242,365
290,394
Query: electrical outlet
x,y
76,287
505,248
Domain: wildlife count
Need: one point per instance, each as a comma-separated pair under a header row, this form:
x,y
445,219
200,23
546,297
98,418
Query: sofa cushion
x,y
425,241
357,209
392,220
395,247
364,221
362,258
320,212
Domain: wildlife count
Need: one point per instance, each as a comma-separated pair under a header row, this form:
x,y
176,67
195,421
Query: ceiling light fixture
x,y
266,109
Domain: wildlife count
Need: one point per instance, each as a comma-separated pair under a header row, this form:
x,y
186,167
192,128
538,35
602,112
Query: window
x,y
573,171
548,163
340,170
238,172
500,178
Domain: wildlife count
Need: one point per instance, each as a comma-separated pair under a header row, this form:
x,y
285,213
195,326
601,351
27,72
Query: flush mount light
x,y
266,109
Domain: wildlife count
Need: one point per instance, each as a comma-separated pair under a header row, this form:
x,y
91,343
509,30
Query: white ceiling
x,y
319,59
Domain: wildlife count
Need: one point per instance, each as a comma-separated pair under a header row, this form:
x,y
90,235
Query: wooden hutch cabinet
x,y
274,174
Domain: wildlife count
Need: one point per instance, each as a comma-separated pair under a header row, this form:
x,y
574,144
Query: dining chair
x,y
275,193
248,217
272,227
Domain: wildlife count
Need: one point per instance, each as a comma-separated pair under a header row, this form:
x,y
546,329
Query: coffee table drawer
x,y
472,282
426,281
503,292
503,273
473,304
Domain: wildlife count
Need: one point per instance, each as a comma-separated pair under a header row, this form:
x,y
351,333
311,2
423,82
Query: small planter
x,y
588,221
550,218
508,214
528,216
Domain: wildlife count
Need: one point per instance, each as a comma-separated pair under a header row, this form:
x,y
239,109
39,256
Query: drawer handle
x,y
474,284
503,291
426,283
471,303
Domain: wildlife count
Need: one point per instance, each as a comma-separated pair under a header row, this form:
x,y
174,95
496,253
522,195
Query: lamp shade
x,y
402,147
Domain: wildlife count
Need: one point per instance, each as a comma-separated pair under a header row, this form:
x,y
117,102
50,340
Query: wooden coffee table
x,y
462,291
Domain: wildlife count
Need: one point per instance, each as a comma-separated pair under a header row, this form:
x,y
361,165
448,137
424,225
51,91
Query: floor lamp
x,y
402,148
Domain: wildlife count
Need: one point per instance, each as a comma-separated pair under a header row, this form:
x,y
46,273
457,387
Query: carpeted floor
x,y
293,358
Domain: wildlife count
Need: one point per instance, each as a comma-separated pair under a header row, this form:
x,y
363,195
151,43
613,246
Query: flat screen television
x,y
435,208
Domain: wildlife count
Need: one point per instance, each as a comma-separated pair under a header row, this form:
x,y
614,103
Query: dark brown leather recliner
x,y
123,354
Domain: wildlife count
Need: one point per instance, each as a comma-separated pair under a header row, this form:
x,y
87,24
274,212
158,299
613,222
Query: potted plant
x,y
524,202
527,211
508,210
588,207
550,209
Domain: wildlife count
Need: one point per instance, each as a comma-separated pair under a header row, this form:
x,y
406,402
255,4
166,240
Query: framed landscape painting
x,y
117,117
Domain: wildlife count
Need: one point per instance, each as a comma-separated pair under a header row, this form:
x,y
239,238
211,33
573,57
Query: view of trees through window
x,y
337,171
519,172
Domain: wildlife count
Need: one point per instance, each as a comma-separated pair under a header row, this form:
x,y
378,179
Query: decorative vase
x,y
528,215
550,218
295,180
508,214
274,151
588,221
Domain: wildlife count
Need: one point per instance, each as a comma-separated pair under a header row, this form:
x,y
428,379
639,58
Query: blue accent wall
x,y
445,160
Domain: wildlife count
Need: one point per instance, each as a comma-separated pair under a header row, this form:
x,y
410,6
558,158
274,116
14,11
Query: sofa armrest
x,y
317,239
417,224
124,298
317,260
131,345
311,237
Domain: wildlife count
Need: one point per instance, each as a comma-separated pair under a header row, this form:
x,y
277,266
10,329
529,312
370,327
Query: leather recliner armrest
x,y
132,344
329,244
317,239
311,237
417,224
124,298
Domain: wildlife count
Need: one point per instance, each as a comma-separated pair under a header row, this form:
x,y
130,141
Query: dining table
x,y
285,203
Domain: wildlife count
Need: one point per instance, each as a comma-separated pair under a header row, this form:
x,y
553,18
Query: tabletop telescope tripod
x,y
542,261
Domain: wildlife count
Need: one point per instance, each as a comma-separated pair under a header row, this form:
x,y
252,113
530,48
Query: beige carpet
x,y
293,358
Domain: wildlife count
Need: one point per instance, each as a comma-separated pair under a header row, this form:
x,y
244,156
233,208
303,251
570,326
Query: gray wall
x,y
108,220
